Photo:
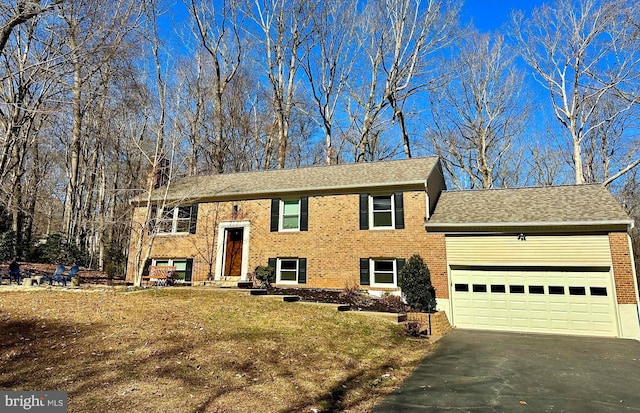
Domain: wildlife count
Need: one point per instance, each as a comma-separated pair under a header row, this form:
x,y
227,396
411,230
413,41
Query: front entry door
x,y
233,252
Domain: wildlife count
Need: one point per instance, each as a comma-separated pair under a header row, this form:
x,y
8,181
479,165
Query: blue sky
x,y
489,15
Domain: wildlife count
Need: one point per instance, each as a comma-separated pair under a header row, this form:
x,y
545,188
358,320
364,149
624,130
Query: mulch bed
x,y
358,300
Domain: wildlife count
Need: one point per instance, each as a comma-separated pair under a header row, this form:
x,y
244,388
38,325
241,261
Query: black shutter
x,y
399,264
302,270
304,213
275,214
152,220
364,271
399,210
272,263
188,270
193,221
145,269
364,211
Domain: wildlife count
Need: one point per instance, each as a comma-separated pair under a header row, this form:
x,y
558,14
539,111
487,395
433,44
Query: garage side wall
x,y
626,282
622,263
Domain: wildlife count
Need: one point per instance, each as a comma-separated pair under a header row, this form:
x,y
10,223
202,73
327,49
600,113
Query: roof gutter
x,y
458,226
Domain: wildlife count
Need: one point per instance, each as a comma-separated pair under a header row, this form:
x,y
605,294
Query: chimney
x,y
158,172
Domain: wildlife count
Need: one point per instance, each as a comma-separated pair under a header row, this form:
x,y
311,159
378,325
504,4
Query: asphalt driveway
x,y
479,371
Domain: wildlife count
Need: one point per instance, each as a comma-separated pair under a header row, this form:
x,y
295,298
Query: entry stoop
x,y
244,284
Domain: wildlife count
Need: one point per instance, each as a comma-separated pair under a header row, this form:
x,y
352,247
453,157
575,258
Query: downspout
x,y
428,204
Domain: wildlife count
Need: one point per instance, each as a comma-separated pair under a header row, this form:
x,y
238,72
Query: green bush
x,y
266,275
7,245
56,249
415,282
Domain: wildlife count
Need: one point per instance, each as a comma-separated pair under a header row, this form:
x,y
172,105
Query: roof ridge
x,y
310,167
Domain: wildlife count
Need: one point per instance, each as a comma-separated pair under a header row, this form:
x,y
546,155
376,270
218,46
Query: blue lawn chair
x,y
14,275
58,276
73,272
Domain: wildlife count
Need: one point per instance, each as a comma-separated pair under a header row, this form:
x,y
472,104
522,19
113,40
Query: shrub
x,y
351,294
392,302
58,250
413,329
415,282
266,275
7,245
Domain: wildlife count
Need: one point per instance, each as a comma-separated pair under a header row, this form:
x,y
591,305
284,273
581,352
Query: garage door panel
x,y
570,302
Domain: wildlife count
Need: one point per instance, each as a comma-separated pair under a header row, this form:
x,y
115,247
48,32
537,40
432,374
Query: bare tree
x,y
284,27
583,53
27,94
480,114
94,35
398,38
218,29
328,60
21,12
613,143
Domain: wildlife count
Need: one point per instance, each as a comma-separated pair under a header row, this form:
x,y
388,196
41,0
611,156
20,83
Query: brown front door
x,y
233,252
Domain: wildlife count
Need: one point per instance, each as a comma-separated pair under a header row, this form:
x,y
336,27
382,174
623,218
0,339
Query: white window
x,y
175,220
381,211
287,271
290,215
383,273
181,267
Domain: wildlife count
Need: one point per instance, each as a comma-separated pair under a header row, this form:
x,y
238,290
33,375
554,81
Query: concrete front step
x,y
290,298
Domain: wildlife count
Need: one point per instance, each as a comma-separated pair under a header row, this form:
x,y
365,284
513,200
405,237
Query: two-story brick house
x,y
536,259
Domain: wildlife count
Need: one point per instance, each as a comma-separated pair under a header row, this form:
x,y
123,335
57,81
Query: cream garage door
x,y
535,300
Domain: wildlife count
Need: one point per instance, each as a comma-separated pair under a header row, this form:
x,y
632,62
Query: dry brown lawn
x,y
198,350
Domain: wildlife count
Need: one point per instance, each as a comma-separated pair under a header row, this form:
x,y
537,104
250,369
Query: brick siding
x,y
622,267
332,245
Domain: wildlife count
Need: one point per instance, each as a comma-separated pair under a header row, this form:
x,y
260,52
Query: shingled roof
x,y
573,205
318,179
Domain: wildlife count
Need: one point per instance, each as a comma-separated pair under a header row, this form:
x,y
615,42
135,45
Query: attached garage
x,y
538,283
569,301
516,266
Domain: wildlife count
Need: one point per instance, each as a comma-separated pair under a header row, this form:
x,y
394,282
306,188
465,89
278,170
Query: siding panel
x,y
540,250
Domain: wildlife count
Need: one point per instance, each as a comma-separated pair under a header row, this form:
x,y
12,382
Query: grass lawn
x,y
198,350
